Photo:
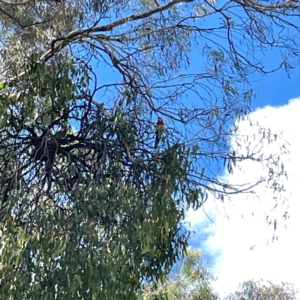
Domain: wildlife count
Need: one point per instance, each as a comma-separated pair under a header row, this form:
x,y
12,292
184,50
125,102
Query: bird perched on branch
x,y
160,128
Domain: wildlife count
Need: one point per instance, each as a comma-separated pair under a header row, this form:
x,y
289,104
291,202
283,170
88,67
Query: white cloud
x,y
277,261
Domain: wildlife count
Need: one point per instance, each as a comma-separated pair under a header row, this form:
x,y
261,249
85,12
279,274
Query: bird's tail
x,y
156,141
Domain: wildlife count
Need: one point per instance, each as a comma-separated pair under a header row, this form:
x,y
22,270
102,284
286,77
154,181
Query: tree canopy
x,y
89,209
189,279
264,290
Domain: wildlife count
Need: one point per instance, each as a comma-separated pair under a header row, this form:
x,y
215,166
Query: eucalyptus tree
x,y
190,279
260,290
89,209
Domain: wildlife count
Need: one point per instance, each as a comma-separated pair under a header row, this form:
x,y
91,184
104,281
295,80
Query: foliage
x,y
252,290
88,209
189,280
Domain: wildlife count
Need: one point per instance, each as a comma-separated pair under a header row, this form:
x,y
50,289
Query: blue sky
x,y
276,88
